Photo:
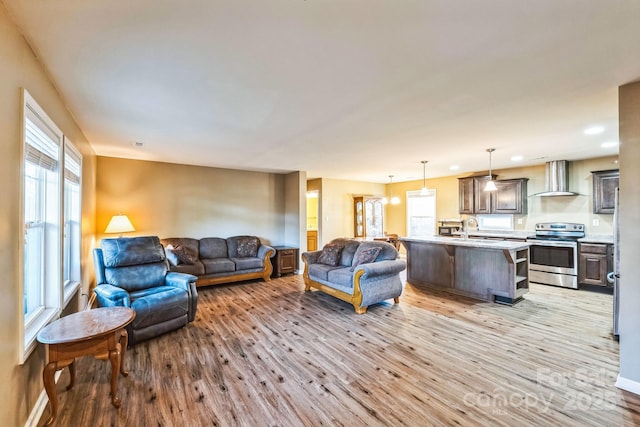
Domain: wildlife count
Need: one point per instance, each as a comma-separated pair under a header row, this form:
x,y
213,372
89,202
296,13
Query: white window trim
x,y
27,334
71,287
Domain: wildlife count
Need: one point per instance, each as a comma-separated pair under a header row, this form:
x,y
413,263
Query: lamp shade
x,y
119,224
491,186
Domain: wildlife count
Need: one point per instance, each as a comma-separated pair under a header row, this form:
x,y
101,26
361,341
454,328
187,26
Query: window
x,y
421,213
72,215
42,241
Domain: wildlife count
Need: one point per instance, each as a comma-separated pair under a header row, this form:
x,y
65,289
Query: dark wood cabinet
x,y
595,261
509,198
604,189
466,194
482,202
285,260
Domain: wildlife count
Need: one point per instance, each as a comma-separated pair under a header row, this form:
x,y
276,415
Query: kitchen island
x,y
490,270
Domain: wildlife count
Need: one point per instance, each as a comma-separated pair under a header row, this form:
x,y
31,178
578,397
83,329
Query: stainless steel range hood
x,y
556,179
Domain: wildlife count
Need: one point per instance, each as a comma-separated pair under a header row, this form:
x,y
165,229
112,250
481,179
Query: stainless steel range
x,y
553,254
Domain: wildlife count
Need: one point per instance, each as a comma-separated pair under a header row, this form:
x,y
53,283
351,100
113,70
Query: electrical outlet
x,y
519,221
596,222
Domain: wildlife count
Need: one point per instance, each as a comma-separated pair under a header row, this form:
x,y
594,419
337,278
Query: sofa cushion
x,y
247,263
330,254
235,241
247,248
350,247
185,254
320,271
218,265
156,305
197,268
131,251
213,247
187,242
171,256
364,256
341,276
135,277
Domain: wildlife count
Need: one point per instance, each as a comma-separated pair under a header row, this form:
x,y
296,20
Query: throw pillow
x,y
171,255
247,248
185,255
330,254
365,256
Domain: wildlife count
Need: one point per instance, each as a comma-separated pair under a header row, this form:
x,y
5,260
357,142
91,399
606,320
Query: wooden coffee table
x,y
99,333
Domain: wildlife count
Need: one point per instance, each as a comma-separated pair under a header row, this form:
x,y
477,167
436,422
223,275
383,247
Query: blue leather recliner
x,y
133,272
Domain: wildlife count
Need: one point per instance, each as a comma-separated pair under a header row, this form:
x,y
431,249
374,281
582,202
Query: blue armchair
x,y
133,272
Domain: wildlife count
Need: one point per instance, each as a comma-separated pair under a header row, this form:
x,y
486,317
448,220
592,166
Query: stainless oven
x,y
553,254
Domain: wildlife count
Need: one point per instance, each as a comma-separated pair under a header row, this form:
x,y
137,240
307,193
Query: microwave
x,y
448,230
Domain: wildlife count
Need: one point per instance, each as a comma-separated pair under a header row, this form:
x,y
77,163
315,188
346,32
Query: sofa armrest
x,y
263,250
111,296
188,283
180,280
311,257
382,268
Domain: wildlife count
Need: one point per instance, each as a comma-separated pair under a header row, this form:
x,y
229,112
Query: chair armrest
x,y
112,296
263,250
180,280
382,268
311,257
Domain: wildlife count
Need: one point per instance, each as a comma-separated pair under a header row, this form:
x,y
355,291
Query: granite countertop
x,y
597,238
474,243
511,234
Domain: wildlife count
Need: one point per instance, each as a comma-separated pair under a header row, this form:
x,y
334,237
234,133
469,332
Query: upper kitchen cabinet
x,y
510,197
466,194
604,190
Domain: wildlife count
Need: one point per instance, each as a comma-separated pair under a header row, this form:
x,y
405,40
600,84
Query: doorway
x,y
312,220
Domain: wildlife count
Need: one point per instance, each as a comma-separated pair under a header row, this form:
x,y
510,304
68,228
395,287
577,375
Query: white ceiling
x,y
343,89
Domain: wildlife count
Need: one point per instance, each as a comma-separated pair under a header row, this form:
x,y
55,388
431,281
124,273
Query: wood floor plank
x,y
271,354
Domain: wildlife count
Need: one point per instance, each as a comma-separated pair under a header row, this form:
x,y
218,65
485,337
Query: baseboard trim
x,y
628,385
40,406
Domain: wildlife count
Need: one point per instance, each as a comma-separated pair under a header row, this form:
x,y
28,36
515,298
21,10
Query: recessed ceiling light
x,y
454,167
609,144
594,130
517,158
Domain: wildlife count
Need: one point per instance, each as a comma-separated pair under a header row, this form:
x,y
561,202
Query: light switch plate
x,y
596,222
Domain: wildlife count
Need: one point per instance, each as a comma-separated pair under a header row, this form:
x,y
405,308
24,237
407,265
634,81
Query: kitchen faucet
x,y
467,224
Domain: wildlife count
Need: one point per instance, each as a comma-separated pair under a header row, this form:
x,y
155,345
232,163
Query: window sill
x,y
31,332
70,290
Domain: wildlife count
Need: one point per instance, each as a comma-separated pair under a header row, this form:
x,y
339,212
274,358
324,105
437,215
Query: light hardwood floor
x,y
270,354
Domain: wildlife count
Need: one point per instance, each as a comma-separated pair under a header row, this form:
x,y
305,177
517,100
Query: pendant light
x,y
394,200
491,186
425,190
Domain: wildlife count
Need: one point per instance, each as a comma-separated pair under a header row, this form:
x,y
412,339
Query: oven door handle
x,y
554,244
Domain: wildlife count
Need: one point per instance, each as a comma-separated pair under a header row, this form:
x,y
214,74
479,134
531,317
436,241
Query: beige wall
x,y
541,209
170,200
21,385
630,239
336,205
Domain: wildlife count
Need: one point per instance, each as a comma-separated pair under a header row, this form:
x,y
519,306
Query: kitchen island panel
x,y
430,264
491,271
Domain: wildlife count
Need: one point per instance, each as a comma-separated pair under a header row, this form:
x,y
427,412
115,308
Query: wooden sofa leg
x,y
396,300
360,310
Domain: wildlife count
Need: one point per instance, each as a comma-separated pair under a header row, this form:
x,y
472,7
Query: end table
x,y
285,260
99,332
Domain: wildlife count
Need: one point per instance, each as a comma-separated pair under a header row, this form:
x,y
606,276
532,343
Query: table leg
x,y
114,358
72,374
48,376
124,342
